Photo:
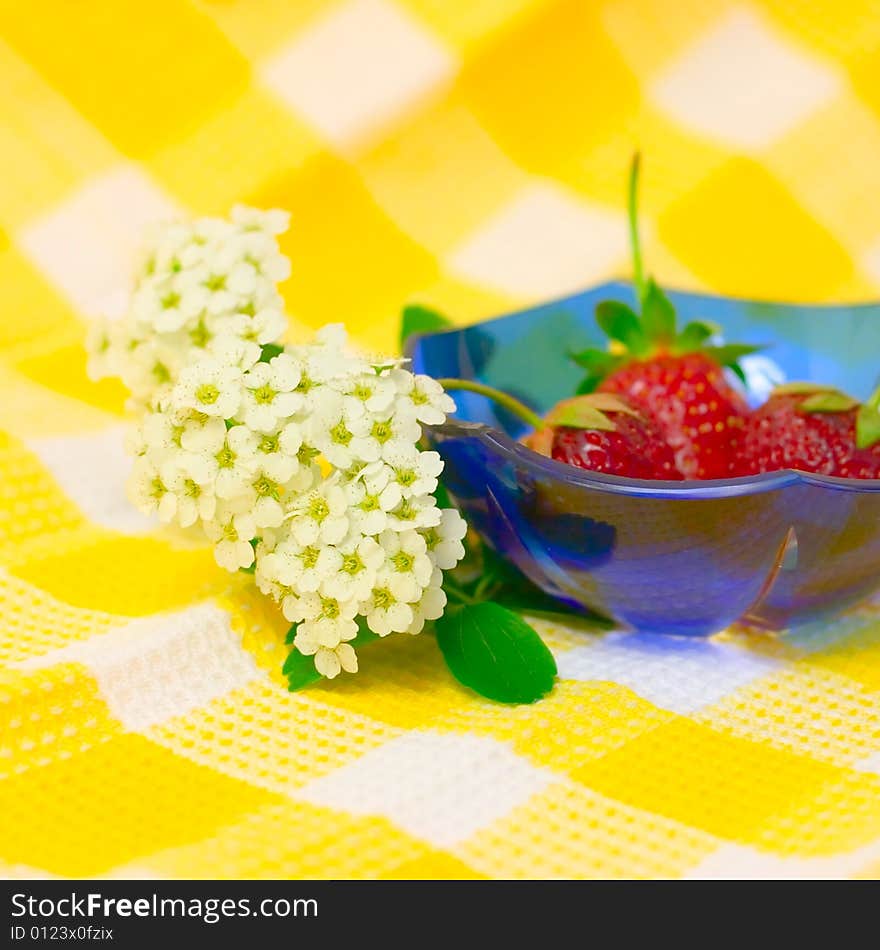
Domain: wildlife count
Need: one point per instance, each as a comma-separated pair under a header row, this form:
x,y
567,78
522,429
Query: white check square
x,y
678,674
92,469
357,69
744,83
545,242
439,787
86,244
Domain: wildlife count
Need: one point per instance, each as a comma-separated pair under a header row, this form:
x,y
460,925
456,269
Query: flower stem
x,y
635,244
520,410
457,593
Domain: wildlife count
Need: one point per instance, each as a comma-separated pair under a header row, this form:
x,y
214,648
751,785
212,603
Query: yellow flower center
x,y
207,394
383,598
382,431
264,394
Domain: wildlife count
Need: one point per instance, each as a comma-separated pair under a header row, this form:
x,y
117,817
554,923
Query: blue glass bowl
x,y
677,558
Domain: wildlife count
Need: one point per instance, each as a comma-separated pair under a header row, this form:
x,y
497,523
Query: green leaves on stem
x,y
650,329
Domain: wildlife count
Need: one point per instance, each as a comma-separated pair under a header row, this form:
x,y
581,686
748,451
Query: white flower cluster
x,y
302,461
201,286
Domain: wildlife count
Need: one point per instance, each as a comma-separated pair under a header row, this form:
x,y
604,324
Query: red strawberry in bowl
x,y
676,378
815,429
603,433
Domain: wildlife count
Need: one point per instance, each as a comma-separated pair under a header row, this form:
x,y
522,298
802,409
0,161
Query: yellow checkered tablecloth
x,y
469,154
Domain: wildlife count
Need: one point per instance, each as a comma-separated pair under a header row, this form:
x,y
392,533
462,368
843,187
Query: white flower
x,y
301,567
369,502
430,606
169,303
337,429
232,535
145,488
367,392
383,611
361,558
329,660
231,350
262,497
415,513
233,461
148,366
199,433
415,472
408,567
444,540
210,387
265,326
269,394
260,257
388,436
422,397
249,219
187,501
304,464
274,454
320,515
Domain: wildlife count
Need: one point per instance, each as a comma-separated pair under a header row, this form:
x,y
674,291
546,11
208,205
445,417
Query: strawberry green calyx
x,y
653,330
579,412
868,422
798,388
818,397
821,398
588,412
829,402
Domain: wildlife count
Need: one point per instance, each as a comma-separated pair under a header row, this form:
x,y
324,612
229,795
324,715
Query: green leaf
x,y
588,384
829,402
599,364
738,371
416,319
658,315
496,653
596,361
300,670
694,335
730,353
269,351
620,323
867,426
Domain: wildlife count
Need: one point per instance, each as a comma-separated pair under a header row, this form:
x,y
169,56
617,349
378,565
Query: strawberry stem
x,y
635,244
520,410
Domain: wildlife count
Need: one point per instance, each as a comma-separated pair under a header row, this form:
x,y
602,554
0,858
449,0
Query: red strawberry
x,y
603,433
815,429
675,378
697,410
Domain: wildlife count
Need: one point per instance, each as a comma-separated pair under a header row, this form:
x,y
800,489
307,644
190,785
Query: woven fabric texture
x,y
470,154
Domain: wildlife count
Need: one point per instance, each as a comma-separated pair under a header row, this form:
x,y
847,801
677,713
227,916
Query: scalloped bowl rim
x,y
657,488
